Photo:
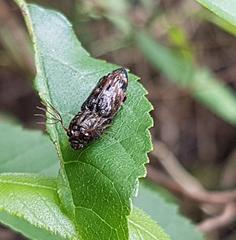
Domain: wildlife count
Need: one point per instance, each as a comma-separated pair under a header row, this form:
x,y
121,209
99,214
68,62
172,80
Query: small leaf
x,y
29,204
167,215
201,84
26,151
223,8
102,177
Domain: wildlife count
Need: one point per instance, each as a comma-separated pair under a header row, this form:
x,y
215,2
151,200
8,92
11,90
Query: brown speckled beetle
x,y
97,111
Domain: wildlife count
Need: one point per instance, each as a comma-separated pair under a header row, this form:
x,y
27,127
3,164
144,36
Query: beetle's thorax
x,y
85,127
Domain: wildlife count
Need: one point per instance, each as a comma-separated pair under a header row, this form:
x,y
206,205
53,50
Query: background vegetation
x,y
185,56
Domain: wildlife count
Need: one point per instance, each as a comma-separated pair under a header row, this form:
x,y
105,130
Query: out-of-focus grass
x,y
200,83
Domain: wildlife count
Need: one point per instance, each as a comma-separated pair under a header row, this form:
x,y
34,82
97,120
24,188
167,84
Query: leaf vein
x,y
98,170
143,229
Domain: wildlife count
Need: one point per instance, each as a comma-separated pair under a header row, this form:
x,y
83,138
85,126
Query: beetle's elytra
x,y
97,111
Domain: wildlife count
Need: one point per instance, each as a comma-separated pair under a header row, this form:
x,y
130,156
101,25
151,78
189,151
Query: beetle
x,y
98,110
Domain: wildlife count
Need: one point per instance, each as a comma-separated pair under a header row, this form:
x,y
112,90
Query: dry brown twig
x,y
191,187
185,183
224,219
164,180
12,35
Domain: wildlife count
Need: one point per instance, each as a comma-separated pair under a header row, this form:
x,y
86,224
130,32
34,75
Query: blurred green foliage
x,y
200,83
166,214
177,62
163,43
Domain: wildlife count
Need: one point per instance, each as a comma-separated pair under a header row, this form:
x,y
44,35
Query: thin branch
x,y
191,187
162,179
227,216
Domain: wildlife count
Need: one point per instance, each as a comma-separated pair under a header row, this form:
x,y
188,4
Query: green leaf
x,y
143,227
218,21
223,8
102,177
22,226
30,204
26,151
37,214
202,85
166,214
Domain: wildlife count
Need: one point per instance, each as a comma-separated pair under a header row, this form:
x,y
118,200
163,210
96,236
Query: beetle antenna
x,y
53,112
